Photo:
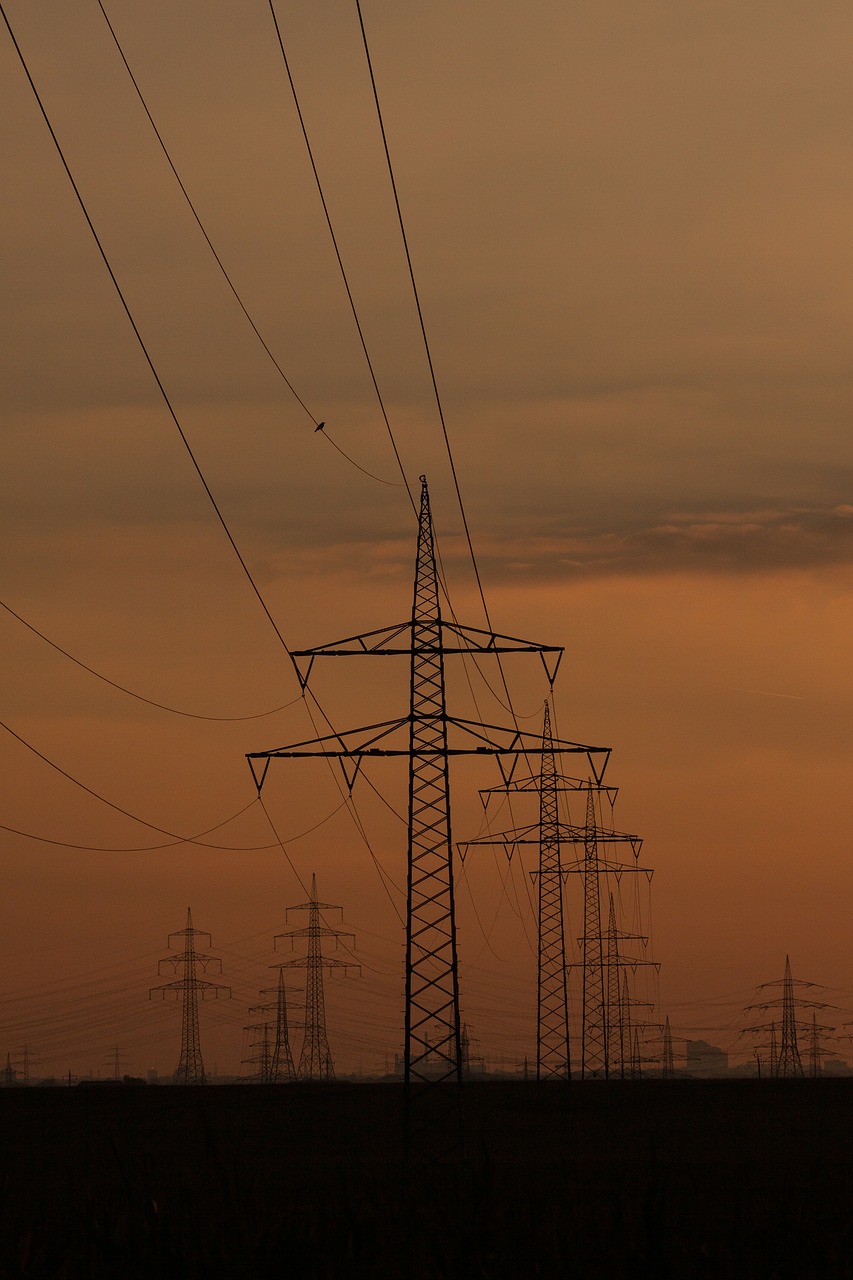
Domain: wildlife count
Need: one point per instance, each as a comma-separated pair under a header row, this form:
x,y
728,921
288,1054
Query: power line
x,y
340,262
151,702
142,345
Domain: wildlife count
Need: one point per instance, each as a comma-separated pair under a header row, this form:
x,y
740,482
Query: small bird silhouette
x,y
319,426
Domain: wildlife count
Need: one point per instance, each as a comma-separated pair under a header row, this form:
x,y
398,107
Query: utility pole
x,y
315,1061
190,1068
428,736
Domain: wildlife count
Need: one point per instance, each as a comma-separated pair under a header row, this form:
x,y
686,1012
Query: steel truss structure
x,y
315,1060
604,1007
428,737
190,1068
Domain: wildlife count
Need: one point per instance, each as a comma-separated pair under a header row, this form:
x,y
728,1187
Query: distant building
x,y
706,1060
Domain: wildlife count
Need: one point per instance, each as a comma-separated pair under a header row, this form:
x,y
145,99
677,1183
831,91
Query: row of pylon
x,y
272,1054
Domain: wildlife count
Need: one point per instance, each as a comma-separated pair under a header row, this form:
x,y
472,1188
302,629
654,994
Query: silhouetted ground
x,y
667,1178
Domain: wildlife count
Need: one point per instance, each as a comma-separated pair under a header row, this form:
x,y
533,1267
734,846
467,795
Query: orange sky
x,y
630,232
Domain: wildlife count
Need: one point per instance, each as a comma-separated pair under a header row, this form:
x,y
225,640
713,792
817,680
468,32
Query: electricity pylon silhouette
x,y
668,1064
428,737
190,1069
553,1057
282,1069
594,1027
552,835
274,1058
789,1057
787,1064
315,1060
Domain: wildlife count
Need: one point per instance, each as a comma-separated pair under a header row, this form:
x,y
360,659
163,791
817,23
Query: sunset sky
x,y
629,225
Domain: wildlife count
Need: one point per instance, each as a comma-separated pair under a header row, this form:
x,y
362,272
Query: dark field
x,y
663,1178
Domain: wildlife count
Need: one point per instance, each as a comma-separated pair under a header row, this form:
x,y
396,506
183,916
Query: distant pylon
x,y
594,1030
786,1063
552,1003
668,1065
315,1061
814,1050
789,1058
282,1068
190,1068
615,1028
275,1064
636,1058
627,1030
8,1073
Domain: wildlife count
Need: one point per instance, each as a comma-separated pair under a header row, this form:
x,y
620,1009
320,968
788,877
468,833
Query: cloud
x,y
731,542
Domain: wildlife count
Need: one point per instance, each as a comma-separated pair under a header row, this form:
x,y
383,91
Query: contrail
x,y
766,693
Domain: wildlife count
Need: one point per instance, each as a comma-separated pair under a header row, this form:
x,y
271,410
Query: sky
x,y
629,226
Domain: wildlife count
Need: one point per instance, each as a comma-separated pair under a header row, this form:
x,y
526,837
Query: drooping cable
x,y
151,702
340,261
143,347
198,220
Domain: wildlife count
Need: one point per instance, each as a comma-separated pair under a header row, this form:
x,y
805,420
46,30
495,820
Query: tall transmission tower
x,y
191,988
553,1056
315,1061
282,1069
787,1063
272,1054
428,736
668,1064
594,1025
599,973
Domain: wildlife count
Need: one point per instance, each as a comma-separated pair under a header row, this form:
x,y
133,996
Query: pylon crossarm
x,y
485,739
532,785
383,642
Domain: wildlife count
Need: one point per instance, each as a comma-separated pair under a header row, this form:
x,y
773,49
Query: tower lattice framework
x,y
428,736
600,969
594,1064
315,1060
192,988
785,1061
668,1062
553,1059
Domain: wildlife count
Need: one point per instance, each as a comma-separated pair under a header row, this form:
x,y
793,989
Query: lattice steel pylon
x,y
786,1063
594,1025
615,1028
552,835
276,1066
789,1054
190,1068
315,1060
553,1058
282,1069
432,1045
668,1063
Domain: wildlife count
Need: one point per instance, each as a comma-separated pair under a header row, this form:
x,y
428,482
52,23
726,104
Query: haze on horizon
x,y
630,233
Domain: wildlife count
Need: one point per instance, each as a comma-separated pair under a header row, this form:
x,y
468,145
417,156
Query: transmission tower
x,y
667,1065
315,1061
552,835
262,1059
276,1067
8,1073
190,1068
282,1069
594,1037
428,737
787,1064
